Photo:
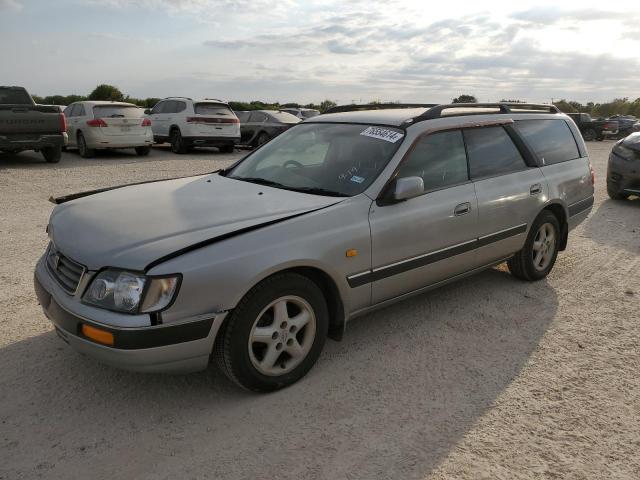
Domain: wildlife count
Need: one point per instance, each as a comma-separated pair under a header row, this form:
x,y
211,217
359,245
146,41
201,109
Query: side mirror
x,y
147,111
407,187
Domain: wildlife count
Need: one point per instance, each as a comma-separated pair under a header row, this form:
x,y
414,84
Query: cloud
x,y
553,15
10,5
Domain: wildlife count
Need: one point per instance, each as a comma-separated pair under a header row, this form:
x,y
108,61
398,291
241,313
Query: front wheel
x,y
537,257
275,334
262,139
589,134
52,154
143,151
615,194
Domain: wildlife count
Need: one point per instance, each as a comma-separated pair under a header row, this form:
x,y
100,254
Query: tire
x,y
177,142
589,135
226,149
523,265
143,151
615,194
52,154
262,139
256,365
83,150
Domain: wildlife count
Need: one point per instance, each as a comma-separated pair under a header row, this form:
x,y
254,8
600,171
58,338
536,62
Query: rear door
x,y
429,238
158,117
255,124
510,192
120,120
565,164
69,113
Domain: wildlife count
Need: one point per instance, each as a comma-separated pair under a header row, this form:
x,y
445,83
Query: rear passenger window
x,y
439,159
179,107
492,152
79,111
158,108
551,140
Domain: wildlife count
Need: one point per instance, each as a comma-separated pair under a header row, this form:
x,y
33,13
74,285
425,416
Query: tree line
x,y
618,106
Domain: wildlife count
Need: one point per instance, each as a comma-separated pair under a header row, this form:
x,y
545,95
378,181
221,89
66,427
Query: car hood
x,y
132,227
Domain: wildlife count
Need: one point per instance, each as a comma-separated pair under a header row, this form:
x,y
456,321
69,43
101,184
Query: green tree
x,y
565,106
106,92
465,99
326,105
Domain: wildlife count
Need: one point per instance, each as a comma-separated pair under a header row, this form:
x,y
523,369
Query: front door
x,y
431,237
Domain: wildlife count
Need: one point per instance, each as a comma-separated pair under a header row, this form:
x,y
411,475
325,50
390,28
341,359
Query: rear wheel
x,y
275,334
589,134
262,139
52,154
83,150
537,257
177,142
143,151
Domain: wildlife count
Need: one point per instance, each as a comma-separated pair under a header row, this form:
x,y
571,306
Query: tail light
x,y
146,122
63,122
593,174
211,120
97,122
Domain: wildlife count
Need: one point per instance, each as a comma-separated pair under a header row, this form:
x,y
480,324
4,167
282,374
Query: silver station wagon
x,y
256,265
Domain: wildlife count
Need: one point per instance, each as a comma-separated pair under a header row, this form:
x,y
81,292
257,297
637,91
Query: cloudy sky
x,y
306,51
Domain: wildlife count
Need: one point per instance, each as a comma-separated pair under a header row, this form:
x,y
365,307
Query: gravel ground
x,y
487,378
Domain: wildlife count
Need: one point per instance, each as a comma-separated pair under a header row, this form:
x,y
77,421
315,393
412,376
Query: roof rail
x,y
503,107
378,106
186,98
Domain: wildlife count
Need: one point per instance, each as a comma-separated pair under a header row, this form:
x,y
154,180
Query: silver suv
x,y
187,123
257,264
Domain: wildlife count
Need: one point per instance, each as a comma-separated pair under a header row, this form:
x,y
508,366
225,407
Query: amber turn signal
x,y
97,335
352,252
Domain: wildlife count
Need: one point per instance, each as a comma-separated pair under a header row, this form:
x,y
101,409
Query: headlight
x,y
131,292
625,152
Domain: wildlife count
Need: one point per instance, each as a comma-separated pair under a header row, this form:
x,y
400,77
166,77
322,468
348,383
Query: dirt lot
x,y
487,378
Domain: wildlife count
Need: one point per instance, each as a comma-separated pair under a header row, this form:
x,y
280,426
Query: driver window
x,y
439,159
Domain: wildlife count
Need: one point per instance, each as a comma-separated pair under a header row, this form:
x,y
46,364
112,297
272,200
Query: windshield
x,y
128,111
322,158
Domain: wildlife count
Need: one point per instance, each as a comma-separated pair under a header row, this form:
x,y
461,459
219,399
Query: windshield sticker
x,y
357,179
385,134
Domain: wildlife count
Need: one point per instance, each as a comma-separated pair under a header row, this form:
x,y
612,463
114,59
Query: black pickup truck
x,y
594,129
27,126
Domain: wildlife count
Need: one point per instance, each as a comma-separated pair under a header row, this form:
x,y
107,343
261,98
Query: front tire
x,y
589,135
52,154
275,334
143,151
262,139
83,150
537,257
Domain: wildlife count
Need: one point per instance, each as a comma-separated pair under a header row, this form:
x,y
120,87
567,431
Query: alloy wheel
x,y
544,245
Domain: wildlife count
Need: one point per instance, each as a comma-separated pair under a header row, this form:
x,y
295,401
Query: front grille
x,y
67,272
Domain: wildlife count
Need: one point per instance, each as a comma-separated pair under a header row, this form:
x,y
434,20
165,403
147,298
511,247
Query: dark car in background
x,y
623,169
626,124
594,129
257,127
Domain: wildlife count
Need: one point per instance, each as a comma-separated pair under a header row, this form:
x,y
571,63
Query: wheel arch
x,y
561,213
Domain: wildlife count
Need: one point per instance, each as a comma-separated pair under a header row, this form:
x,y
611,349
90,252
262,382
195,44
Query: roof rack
x,y
503,107
378,106
186,98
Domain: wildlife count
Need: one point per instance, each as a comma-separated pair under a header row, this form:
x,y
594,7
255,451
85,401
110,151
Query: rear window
x,y
551,140
492,152
212,109
15,96
284,117
128,111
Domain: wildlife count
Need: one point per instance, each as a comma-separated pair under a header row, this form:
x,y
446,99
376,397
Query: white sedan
x,y
95,125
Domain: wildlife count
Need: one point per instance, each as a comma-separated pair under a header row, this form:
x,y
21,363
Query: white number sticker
x,y
383,134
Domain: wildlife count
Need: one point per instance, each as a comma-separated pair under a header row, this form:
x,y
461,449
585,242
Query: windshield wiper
x,y
261,181
318,191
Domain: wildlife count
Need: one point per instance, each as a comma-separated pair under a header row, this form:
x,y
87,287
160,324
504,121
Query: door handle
x,y
535,189
462,209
